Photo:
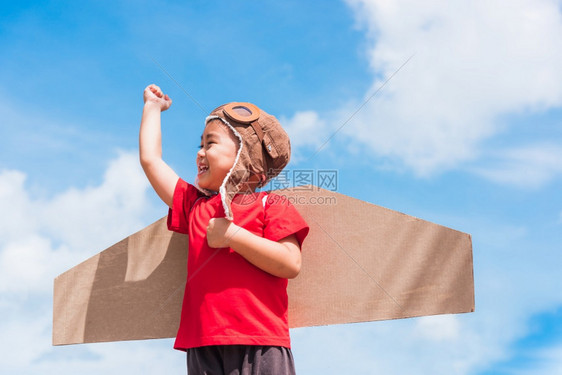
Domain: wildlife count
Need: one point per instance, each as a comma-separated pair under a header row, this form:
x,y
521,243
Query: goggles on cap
x,y
244,113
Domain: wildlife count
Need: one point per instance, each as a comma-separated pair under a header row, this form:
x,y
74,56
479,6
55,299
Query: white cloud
x,y
438,328
141,357
307,131
94,217
24,338
528,166
474,61
40,239
26,264
15,220
392,347
545,361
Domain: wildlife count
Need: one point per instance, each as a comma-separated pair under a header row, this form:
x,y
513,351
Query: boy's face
x,y
216,155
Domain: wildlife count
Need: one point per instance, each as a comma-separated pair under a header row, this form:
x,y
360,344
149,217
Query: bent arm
x,y
281,259
162,178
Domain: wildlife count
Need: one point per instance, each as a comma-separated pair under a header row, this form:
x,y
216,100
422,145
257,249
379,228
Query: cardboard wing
x,y
361,262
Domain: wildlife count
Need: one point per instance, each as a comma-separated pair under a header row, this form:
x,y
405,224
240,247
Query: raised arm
x,y
162,178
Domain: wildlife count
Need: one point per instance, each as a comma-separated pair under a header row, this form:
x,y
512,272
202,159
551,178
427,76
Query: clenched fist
x,y
154,95
220,231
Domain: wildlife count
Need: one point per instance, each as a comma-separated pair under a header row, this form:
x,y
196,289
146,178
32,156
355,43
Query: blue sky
x,y
467,134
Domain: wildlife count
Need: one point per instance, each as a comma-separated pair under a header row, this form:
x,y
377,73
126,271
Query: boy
x,y
243,245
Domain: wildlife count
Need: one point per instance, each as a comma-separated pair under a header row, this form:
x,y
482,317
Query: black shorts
x,y
240,360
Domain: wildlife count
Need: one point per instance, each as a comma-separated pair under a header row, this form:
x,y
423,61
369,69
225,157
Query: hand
x,y
220,231
154,95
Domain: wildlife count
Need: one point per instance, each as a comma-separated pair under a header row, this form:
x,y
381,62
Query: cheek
x,y
218,160
227,156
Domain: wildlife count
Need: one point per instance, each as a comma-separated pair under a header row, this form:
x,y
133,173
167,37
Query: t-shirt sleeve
x,y
185,196
282,219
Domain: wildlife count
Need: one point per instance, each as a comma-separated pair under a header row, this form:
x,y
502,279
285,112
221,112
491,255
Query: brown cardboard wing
x,y
361,262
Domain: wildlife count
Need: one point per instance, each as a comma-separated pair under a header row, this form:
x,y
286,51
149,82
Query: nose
x,y
200,154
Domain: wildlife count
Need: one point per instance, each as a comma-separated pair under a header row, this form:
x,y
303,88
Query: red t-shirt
x,y
227,300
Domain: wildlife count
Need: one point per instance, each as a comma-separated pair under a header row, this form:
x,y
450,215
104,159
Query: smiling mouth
x,y
202,169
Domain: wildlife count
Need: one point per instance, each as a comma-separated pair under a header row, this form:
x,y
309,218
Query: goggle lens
x,y
244,113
